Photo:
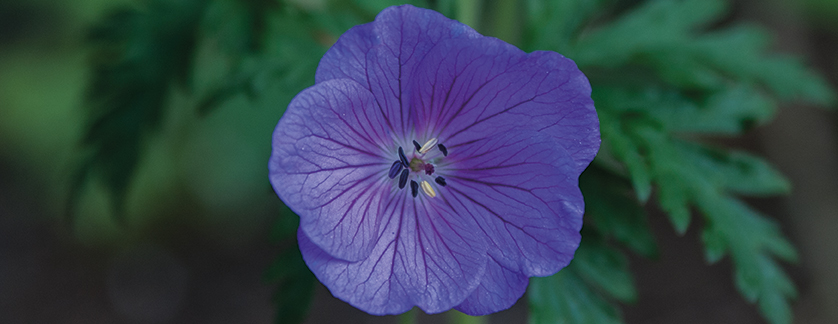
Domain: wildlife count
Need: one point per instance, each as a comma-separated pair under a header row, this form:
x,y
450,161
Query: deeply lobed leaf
x,y
581,293
658,74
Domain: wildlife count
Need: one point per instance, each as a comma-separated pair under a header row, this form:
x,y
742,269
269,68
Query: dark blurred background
x,y
195,243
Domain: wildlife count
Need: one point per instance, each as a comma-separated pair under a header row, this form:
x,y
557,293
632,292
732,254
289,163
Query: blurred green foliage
x,y
661,79
183,96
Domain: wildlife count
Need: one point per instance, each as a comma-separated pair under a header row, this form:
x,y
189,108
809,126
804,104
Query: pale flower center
x,y
419,165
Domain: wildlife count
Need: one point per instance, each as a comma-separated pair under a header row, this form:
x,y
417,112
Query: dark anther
x,y
429,169
395,169
440,181
403,179
443,149
416,145
403,158
414,188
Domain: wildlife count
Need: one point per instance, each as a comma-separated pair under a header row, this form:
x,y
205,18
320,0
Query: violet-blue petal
x,y
328,166
426,257
465,89
521,189
499,289
408,32
381,55
346,59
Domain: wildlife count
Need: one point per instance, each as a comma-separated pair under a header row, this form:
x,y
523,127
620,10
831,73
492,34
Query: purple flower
x,y
434,167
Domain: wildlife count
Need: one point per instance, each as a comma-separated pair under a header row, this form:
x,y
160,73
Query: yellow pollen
x,y
428,145
426,187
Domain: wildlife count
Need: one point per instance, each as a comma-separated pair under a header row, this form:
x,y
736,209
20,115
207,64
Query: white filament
x,y
428,145
426,187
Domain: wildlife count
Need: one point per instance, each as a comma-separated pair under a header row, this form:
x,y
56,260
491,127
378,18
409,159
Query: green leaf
x,y
652,26
238,27
553,25
665,36
580,293
623,147
283,66
739,52
238,33
604,268
137,57
611,210
731,225
728,111
673,199
715,245
758,277
672,175
742,227
735,171
564,298
660,76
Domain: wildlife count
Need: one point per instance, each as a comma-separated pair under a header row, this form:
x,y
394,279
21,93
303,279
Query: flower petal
x,y
466,88
521,189
329,166
346,59
382,55
499,289
424,258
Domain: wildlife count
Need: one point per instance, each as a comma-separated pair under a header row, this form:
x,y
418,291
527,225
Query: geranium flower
x,y
435,167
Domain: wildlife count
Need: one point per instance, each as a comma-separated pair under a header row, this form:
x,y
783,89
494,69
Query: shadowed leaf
x,y
138,55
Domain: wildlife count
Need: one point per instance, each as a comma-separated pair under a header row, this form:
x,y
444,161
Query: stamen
x,y
416,145
403,158
429,169
443,149
426,187
395,169
403,178
414,188
440,181
428,145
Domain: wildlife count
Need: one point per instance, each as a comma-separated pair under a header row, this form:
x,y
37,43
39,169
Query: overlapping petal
x,y
328,165
406,32
382,55
426,257
521,190
466,88
499,289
